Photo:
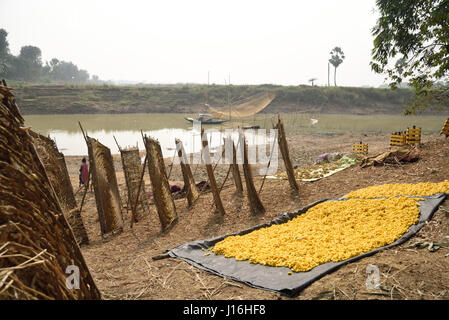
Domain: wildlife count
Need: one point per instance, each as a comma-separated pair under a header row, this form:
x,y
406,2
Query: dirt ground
x,y
122,265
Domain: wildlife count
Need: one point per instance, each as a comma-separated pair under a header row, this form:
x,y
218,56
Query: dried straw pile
x,y
36,242
133,170
56,168
107,195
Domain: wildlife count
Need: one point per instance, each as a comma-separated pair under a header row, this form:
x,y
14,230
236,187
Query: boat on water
x,y
206,118
251,127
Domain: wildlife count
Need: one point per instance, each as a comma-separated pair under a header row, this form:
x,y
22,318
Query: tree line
x,y
28,66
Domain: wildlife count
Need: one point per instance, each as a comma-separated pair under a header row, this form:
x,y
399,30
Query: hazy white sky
x,y
169,41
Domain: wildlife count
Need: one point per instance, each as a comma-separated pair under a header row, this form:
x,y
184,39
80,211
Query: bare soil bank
x,y
77,99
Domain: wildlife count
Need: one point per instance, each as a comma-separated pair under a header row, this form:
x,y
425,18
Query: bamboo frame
x,y
189,182
161,188
104,180
210,173
132,171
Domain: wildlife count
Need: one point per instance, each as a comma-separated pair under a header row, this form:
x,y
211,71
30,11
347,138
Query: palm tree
x,y
313,80
337,57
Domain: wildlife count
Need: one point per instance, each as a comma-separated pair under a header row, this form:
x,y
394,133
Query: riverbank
x,y
101,99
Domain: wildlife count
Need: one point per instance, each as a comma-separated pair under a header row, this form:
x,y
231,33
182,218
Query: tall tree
x,y
4,52
412,44
31,54
4,45
337,57
30,59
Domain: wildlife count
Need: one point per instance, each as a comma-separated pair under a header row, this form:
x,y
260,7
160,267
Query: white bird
x,y
313,121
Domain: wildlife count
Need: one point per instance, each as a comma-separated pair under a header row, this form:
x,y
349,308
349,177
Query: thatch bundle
x,y
189,182
132,169
37,244
106,191
161,188
56,168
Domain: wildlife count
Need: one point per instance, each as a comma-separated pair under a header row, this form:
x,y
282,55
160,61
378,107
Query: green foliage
x,y
28,66
412,45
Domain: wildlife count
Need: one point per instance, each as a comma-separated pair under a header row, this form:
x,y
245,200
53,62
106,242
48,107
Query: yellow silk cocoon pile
x,y
329,231
401,189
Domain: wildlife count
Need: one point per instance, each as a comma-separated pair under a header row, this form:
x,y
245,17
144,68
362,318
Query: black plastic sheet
x,y
277,278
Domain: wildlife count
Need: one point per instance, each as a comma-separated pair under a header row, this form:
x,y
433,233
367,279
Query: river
x,y
126,128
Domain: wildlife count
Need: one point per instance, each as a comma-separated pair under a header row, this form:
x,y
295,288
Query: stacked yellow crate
x,y
360,148
398,139
445,129
413,135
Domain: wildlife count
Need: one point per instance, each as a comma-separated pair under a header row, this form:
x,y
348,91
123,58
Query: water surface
x,y
166,127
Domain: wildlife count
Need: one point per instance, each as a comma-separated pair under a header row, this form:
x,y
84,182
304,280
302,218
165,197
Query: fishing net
x,y
107,195
37,245
56,168
246,107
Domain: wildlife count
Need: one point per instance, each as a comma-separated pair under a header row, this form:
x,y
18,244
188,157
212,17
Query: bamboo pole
x,y
189,181
85,193
134,207
285,155
207,181
269,162
234,167
171,165
255,204
119,148
210,173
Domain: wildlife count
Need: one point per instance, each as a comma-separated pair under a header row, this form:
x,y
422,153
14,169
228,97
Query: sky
x,y
178,41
